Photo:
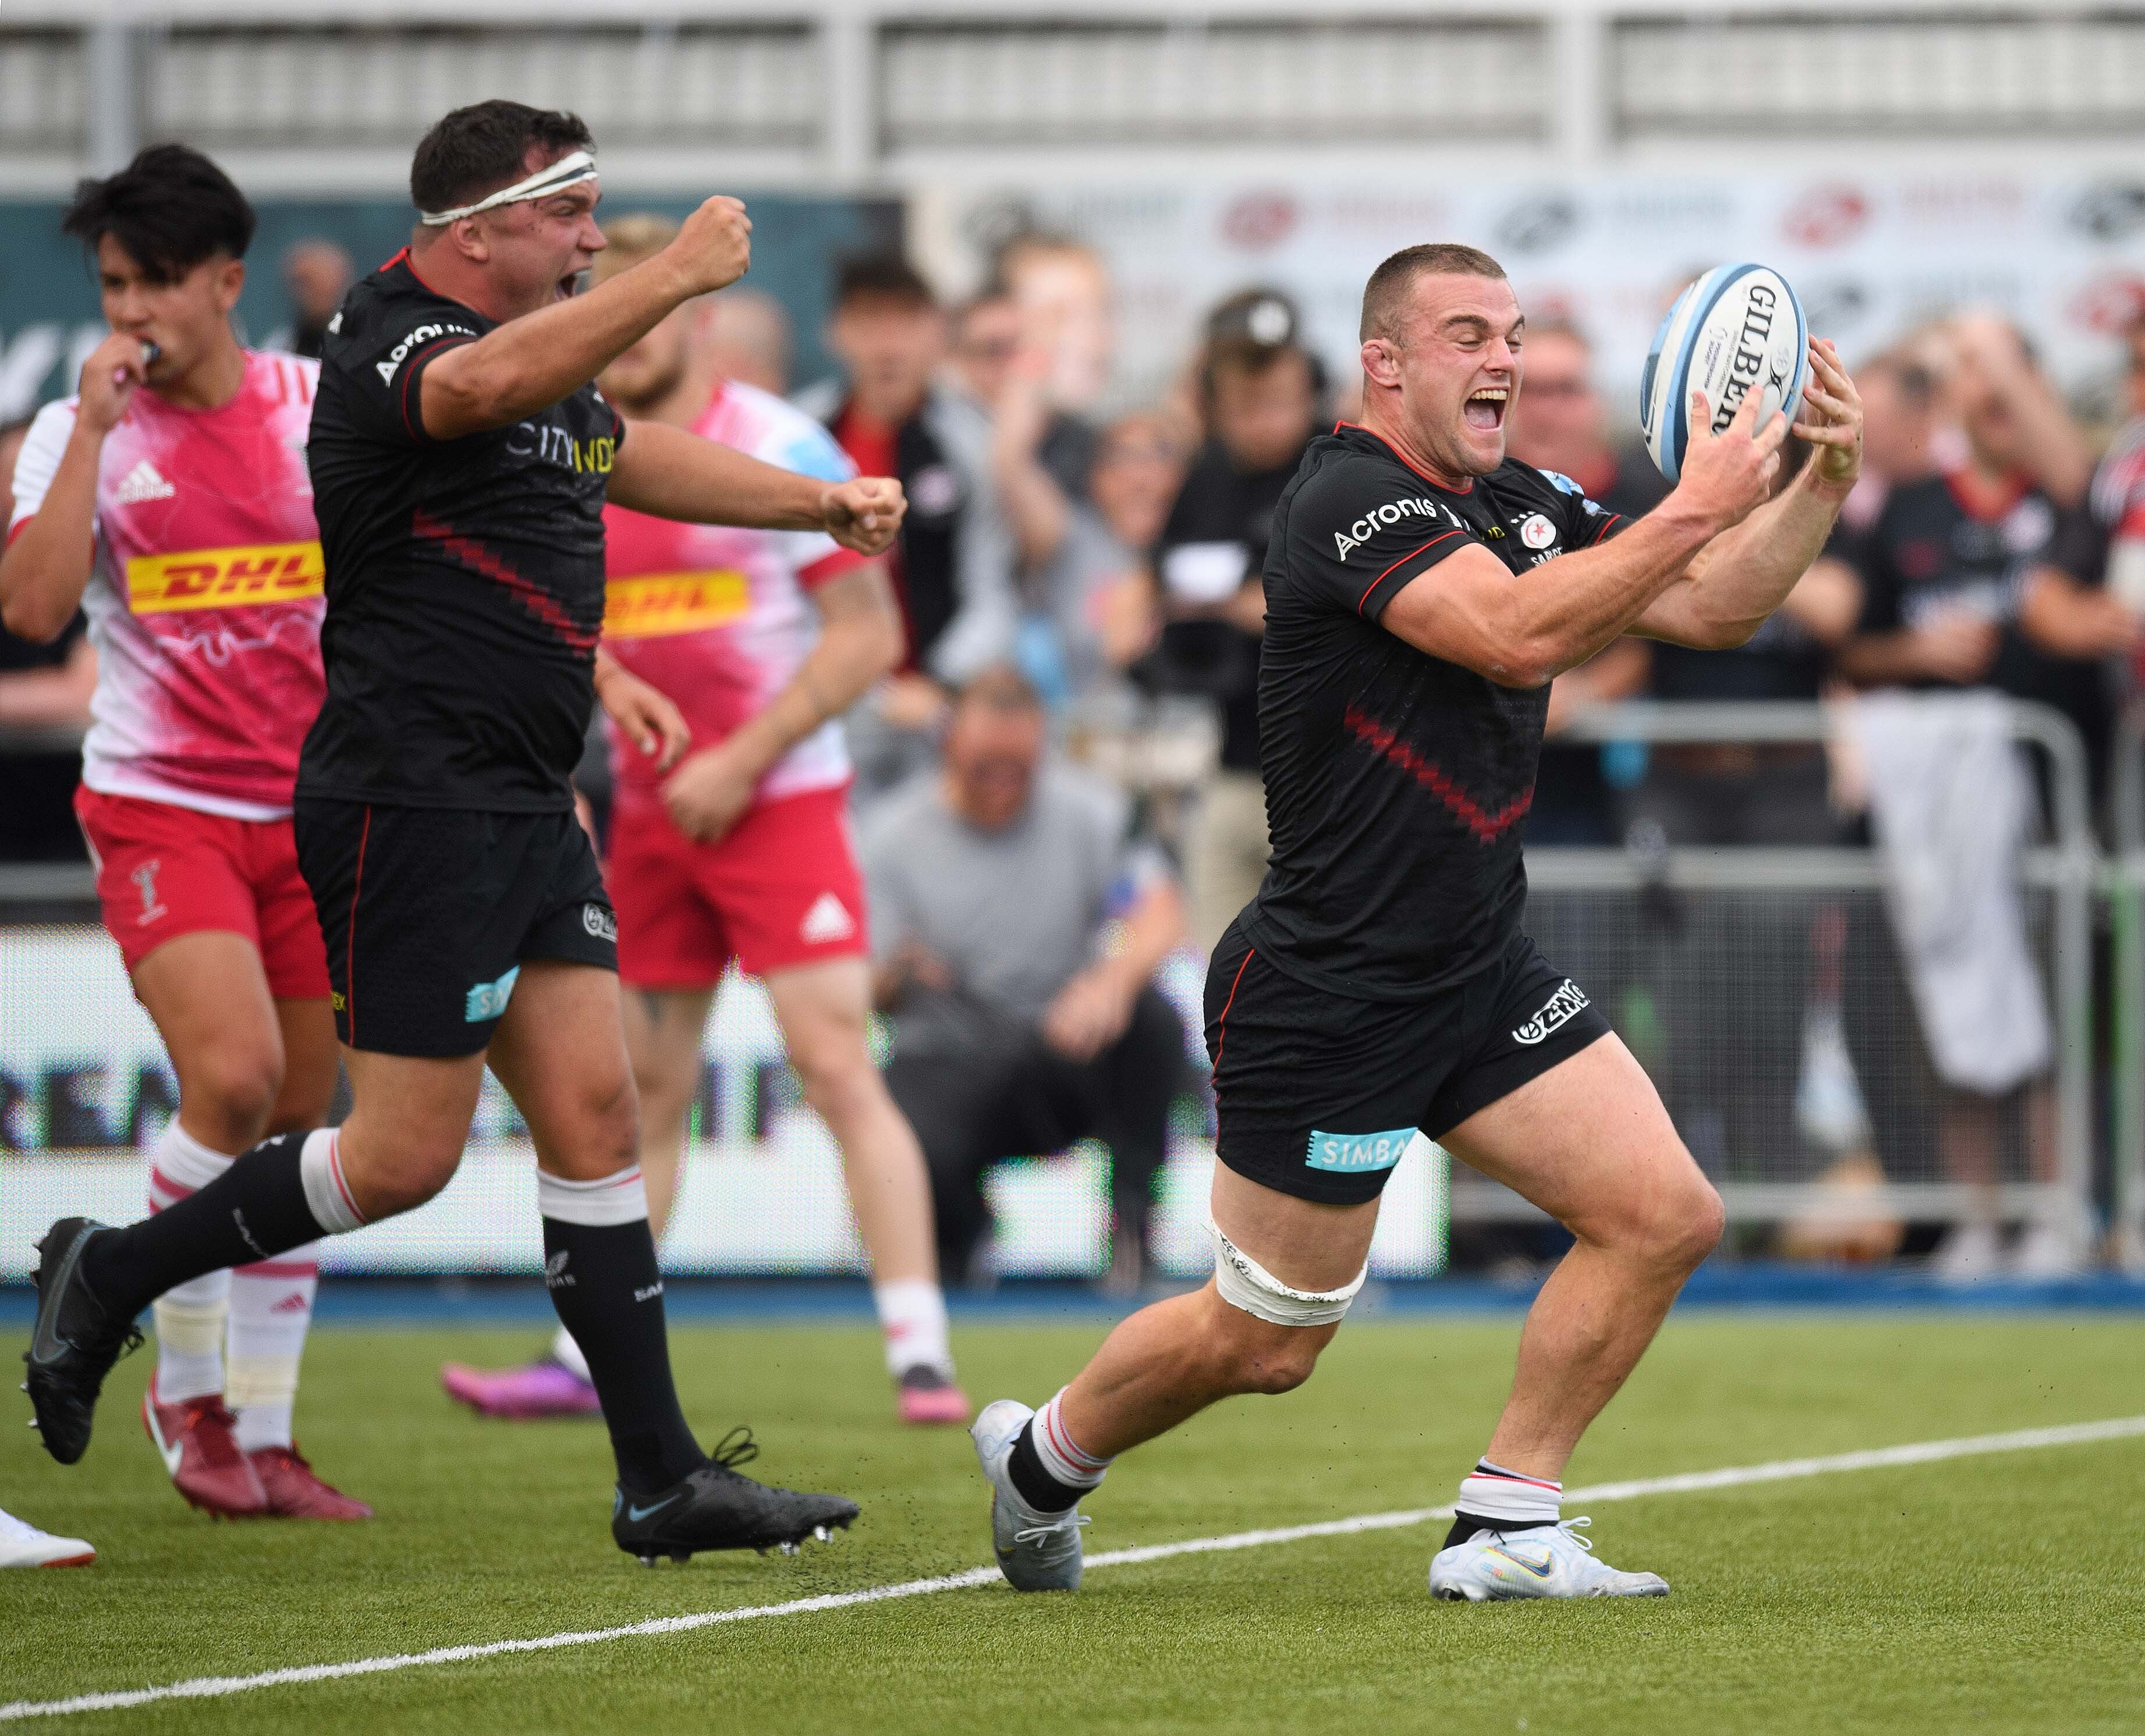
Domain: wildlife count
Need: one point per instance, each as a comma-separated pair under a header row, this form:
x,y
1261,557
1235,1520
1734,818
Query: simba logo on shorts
x,y
1358,1153
1566,1004
488,1000
600,923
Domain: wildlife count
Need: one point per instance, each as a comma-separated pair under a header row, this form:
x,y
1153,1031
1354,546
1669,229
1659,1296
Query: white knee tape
x,y
1245,1284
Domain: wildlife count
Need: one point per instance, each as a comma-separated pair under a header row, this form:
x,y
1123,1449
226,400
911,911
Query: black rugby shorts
x,y
1318,1094
429,914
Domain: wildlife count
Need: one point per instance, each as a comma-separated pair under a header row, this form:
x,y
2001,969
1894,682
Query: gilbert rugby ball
x,y
1739,329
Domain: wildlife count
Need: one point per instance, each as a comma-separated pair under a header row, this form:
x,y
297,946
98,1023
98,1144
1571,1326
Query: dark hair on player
x,y
480,149
1385,296
881,277
170,209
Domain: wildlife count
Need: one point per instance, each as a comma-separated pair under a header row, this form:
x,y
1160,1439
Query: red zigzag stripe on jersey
x,y
541,603
1485,825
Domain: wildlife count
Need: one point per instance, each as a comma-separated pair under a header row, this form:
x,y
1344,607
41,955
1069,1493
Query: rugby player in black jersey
x,y
1421,591
460,458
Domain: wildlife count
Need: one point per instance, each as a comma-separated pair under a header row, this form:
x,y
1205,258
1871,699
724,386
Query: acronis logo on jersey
x,y
1391,513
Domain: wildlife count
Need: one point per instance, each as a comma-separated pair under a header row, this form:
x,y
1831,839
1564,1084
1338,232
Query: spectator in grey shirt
x,y
1015,935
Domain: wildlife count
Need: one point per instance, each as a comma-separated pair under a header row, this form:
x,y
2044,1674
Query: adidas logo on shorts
x,y
826,922
144,482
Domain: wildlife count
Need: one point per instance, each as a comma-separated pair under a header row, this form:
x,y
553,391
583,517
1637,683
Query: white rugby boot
x,y
1540,1561
23,1545
1036,1551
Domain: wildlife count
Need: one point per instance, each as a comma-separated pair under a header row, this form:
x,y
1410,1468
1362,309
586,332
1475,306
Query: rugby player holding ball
x,y
1422,590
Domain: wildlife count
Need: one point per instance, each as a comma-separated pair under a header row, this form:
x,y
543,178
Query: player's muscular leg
x,y
209,998
824,1011
560,1053
406,1132
663,1029
1171,1361
1590,1143
310,1057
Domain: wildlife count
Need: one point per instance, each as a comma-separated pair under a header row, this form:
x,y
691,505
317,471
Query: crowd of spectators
x,y
1079,579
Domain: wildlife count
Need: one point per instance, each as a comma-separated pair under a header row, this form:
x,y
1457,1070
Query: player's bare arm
x,y
860,640
543,354
674,475
45,569
1471,610
649,720
1742,576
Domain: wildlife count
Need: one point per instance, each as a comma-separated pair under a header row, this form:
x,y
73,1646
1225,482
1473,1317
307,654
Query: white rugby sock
x,y
190,1319
1501,1500
911,1318
327,1190
1061,1455
272,1308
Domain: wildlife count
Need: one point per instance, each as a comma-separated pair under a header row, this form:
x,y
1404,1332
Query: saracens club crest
x,y
1563,1007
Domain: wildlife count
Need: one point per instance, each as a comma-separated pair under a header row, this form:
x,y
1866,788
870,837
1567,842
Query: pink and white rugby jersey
x,y
205,601
718,618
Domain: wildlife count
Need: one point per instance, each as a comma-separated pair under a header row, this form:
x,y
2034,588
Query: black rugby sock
x,y
1037,1487
607,1293
254,1211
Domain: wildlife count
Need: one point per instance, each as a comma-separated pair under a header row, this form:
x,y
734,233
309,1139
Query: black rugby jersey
x,y
1395,781
465,577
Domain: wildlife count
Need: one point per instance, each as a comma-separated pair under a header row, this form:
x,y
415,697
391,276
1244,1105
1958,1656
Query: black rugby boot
x,y
74,1343
715,1508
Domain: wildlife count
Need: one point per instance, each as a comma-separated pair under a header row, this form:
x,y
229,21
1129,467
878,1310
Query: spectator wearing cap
x,y
952,566
44,704
317,273
1261,390
1016,931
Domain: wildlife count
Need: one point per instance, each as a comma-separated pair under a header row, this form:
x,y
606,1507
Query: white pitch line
x,y
1779,1470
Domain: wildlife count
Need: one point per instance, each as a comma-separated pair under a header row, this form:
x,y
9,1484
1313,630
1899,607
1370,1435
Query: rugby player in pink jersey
x,y
170,501
762,637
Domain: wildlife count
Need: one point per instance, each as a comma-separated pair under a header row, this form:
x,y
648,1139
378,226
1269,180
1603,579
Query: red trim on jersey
x,y
405,258
1403,457
1609,521
1485,825
17,529
1968,489
1221,1024
350,944
539,602
1403,561
831,566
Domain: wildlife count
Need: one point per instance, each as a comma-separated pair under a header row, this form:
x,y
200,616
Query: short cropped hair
x,y
1385,296
632,239
170,209
881,277
478,150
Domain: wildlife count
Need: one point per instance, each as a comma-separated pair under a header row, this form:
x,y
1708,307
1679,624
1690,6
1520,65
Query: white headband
x,y
569,171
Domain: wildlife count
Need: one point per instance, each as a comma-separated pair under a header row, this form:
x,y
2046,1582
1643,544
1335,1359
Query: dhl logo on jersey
x,y
225,577
660,604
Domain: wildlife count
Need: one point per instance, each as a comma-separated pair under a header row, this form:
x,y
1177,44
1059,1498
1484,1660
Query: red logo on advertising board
x,y
1827,216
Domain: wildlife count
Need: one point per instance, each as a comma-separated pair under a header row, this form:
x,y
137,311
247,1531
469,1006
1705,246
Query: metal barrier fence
x,y
1717,965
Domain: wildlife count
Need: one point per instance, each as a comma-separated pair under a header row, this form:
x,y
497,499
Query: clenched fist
x,y
713,247
864,514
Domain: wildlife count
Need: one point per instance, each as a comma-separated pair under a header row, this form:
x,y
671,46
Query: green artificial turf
x,y
1996,1594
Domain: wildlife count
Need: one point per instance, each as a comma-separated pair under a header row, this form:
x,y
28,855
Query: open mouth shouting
x,y
1485,409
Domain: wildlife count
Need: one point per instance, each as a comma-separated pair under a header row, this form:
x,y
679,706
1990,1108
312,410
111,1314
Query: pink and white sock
x,y
272,1310
1496,1499
1062,1457
190,1319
